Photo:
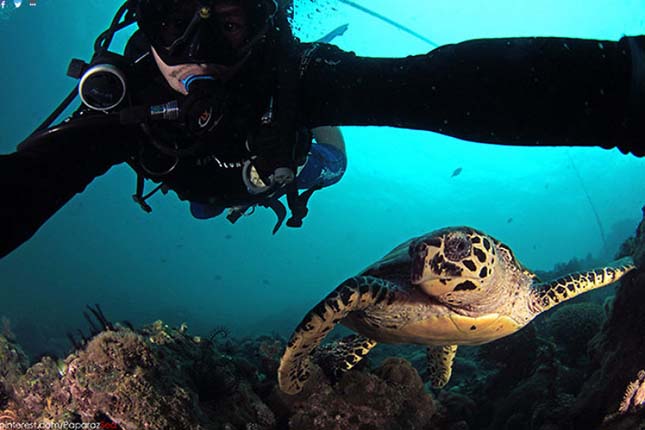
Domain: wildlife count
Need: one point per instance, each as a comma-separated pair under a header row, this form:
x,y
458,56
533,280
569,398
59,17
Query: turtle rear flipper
x,y
440,359
338,357
549,294
355,294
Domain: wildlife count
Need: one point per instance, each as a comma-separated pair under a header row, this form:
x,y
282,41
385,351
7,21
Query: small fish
x,y
339,31
265,282
228,236
456,172
510,220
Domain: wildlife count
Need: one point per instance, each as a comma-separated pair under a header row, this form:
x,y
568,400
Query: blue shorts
x,y
325,166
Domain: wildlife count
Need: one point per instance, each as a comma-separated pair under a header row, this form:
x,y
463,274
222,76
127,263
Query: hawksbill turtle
x,y
454,286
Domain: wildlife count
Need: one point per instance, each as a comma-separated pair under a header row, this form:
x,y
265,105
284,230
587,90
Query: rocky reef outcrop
x,y
154,378
160,377
581,366
618,353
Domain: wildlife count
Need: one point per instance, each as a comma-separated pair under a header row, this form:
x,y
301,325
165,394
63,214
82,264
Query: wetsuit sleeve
x,y
517,91
37,181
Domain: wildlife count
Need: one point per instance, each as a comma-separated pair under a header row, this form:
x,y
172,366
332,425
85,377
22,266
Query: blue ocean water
x,y
101,248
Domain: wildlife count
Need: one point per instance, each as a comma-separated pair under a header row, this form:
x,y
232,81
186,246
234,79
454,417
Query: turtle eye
x,y
457,247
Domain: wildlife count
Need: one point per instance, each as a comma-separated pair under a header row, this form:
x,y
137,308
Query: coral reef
x,y
551,375
619,350
13,363
522,347
156,378
159,377
572,326
534,402
390,398
634,396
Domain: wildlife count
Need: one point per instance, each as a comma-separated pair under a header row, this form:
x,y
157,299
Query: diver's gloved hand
x,y
283,176
273,157
261,176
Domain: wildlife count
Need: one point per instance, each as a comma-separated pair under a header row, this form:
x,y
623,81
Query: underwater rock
x,y
620,351
572,326
392,397
13,363
522,346
533,403
155,378
632,408
454,410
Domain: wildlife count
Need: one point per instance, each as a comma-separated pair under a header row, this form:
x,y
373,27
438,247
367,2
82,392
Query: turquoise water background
x,y
101,248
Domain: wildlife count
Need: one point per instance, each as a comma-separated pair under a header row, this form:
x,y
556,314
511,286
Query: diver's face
x,y
232,19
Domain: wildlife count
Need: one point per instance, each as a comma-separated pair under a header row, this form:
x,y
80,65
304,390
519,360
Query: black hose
x,y
101,45
105,39
389,21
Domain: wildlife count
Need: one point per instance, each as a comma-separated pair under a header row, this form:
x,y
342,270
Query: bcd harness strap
x,y
297,205
290,67
279,123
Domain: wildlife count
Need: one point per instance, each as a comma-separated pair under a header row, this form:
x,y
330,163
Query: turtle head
x,y
454,264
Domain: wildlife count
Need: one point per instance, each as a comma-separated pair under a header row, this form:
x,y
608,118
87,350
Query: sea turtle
x,y
454,286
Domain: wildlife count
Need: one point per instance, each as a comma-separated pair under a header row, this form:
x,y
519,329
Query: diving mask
x,y
194,31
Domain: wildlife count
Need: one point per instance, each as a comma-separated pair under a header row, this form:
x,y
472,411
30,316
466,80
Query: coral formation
x,y
522,346
634,396
619,349
158,377
572,326
390,398
13,363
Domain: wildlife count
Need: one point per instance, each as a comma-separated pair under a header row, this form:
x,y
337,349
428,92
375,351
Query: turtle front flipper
x,y
355,294
549,294
440,359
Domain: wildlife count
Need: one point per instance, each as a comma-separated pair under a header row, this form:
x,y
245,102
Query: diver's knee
x,y
204,211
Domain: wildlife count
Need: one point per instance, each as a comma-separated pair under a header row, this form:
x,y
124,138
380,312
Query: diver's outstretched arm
x,y
38,180
516,91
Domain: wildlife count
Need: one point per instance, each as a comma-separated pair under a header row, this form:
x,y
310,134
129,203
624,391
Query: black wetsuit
x,y
518,91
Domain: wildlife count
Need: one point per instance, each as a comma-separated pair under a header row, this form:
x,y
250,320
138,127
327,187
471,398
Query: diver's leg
x,y
518,91
205,211
331,136
37,181
327,160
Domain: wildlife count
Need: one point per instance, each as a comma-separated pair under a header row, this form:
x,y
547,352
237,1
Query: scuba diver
x,y
219,102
